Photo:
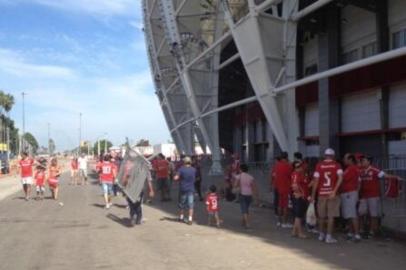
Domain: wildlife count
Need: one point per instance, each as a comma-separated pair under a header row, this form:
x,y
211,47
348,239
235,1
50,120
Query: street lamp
x,y
98,142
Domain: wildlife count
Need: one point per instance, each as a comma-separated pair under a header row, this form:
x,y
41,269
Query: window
x,y
369,50
399,39
350,56
310,70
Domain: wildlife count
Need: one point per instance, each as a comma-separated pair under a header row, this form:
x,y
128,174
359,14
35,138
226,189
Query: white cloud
x,y
94,7
137,25
14,63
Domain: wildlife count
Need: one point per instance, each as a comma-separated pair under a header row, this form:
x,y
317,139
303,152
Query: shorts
x,y
349,204
107,188
328,208
369,206
283,200
53,183
245,202
83,172
73,172
186,200
212,213
299,207
162,183
40,188
27,180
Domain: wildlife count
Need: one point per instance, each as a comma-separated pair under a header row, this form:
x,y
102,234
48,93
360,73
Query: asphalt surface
x,y
80,234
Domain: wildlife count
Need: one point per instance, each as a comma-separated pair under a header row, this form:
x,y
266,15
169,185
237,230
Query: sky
x,y
79,56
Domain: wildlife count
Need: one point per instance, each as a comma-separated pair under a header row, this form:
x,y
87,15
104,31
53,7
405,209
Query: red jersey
x,y
108,170
370,187
300,185
282,173
351,179
26,167
327,171
74,164
161,168
40,178
212,202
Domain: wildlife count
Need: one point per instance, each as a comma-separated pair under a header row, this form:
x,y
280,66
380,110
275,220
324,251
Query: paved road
x,y
83,235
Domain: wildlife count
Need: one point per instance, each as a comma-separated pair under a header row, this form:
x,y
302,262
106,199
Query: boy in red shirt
x,y
349,195
25,165
212,201
300,188
370,193
161,168
108,173
282,174
40,181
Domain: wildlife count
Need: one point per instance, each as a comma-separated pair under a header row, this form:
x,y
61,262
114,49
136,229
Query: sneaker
x,y
315,231
349,236
330,240
278,224
189,222
357,238
287,226
321,237
107,206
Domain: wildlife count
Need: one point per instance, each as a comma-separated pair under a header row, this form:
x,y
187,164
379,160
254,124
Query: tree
x,y
102,146
6,104
142,142
30,139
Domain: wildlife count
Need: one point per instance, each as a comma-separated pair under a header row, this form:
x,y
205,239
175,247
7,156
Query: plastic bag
x,y
311,215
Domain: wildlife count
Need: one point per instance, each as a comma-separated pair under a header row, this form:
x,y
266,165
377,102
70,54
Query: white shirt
x,y
82,163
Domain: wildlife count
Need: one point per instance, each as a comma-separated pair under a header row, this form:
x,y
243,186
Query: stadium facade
x,y
259,76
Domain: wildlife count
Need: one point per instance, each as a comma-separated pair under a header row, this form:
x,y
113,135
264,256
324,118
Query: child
x,y
40,182
212,206
299,199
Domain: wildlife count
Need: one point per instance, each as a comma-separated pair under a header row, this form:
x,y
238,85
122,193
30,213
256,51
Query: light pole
x,y
49,138
80,132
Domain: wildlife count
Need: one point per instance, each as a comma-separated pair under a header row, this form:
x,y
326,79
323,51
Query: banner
x,y
133,172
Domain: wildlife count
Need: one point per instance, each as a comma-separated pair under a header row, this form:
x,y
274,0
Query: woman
x,y
53,175
74,167
247,187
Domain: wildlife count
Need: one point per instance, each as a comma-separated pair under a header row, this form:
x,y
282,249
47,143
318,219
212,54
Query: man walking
x,y
186,176
161,167
82,160
25,165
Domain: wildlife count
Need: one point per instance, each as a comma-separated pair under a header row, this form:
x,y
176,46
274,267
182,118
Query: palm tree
x,y
6,104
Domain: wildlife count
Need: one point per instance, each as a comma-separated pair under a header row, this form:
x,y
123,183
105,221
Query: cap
x,y
329,152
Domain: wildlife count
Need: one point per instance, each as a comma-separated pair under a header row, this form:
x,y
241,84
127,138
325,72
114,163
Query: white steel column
x,y
156,73
255,59
169,16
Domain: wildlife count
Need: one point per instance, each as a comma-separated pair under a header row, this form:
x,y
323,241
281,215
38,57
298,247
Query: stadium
x,y
259,77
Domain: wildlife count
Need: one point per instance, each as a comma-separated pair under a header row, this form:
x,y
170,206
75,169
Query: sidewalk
x,y
9,184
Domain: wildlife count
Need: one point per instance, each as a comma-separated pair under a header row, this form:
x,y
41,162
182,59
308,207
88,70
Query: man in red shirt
x,y
282,174
370,193
108,173
25,165
328,177
349,195
161,168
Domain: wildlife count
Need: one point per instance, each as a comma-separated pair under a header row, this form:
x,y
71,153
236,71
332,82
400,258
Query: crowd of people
x,y
349,189
39,173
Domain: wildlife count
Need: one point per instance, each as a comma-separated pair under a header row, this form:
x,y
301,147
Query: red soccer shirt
x,y
74,164
282,173
26,167
161,168
351,179
370,187
212,202
40,178
327,171
107,172
300,185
